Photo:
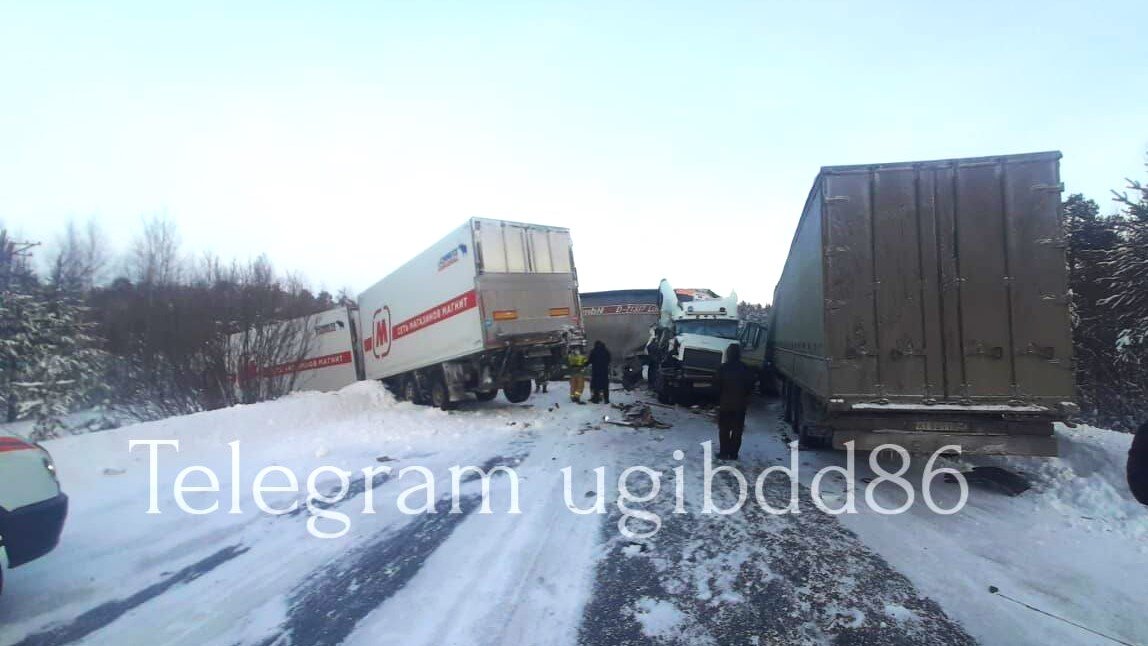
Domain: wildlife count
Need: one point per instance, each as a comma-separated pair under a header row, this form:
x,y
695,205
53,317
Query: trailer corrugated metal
x,y
928,283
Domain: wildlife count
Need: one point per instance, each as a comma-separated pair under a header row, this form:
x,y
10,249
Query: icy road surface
x,y
550,576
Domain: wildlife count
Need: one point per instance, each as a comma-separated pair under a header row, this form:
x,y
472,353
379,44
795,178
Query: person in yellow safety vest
x,y
576,363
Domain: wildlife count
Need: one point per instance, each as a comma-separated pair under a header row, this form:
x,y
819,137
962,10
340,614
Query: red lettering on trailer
x,y
438,313
303,365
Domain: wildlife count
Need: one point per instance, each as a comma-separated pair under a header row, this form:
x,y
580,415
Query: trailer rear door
x,y
947,280
527,287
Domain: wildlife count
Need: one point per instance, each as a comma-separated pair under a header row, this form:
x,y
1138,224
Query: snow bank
x,y
1086,484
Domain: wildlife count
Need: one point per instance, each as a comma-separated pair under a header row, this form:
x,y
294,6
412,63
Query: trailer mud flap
x,y
970,443
455,375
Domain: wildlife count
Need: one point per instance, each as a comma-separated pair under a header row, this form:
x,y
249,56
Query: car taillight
x,y
8,444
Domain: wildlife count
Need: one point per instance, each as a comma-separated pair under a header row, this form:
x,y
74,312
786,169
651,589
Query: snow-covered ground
x,y
1075,545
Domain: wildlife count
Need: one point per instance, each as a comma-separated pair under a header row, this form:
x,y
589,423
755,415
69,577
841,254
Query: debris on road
x,y
637,416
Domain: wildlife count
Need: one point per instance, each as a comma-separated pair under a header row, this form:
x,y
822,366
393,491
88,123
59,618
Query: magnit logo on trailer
x,y
451,257
381,332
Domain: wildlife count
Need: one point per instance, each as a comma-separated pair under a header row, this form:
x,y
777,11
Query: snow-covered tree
x,y
1116,346
51,361
1090,238
753,312
1127,297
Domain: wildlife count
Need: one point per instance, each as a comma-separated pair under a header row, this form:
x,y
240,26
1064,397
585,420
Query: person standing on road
x,y
576,366
735,383
599,373
1138,465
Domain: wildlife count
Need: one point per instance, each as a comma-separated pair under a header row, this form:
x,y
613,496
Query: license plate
x,y
941,426
702,384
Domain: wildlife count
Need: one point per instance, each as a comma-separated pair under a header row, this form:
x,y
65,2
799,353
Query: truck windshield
x,y
725,329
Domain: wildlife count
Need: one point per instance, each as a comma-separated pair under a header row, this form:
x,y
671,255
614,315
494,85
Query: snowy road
x,y
546,575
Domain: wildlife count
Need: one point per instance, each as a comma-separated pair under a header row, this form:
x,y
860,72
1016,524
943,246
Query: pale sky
x,y
675,139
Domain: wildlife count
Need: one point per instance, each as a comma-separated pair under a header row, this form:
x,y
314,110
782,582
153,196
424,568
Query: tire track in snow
x,y
331,602
104,614
109,612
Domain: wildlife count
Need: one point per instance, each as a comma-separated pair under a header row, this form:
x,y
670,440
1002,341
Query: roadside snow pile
x,y
1087,482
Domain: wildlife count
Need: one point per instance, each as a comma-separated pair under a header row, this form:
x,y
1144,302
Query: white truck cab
x,y
695,329
32,506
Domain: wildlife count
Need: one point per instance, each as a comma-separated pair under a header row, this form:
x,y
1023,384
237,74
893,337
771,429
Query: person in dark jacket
x,y
735,383
1138,465
599,373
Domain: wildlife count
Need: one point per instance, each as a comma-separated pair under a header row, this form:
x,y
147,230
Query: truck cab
x,y
753,338
688,344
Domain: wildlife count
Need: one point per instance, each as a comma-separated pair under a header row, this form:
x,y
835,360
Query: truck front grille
x,y
701,360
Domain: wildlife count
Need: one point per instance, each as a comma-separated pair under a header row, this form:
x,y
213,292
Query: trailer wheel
x,y
518,392
440,396
486,395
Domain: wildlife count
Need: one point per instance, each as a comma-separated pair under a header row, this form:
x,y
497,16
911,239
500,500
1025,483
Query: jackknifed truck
x,y
492,306
925,304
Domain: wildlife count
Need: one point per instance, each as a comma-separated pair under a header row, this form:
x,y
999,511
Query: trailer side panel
x,y
425,312
798,335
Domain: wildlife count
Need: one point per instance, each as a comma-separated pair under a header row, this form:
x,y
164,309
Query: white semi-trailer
x,y
314,352
493,305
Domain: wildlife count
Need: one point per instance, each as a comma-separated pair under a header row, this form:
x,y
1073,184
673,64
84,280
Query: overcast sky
x,y
675,139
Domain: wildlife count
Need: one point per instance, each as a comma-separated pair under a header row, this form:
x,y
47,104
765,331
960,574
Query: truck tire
x,y
486,395
518,392
440,396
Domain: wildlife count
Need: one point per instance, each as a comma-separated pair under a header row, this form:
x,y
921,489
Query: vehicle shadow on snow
x,y
753,578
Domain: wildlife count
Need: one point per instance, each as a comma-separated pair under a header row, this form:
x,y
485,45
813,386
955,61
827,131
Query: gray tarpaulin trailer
x,y
925,304
621,319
